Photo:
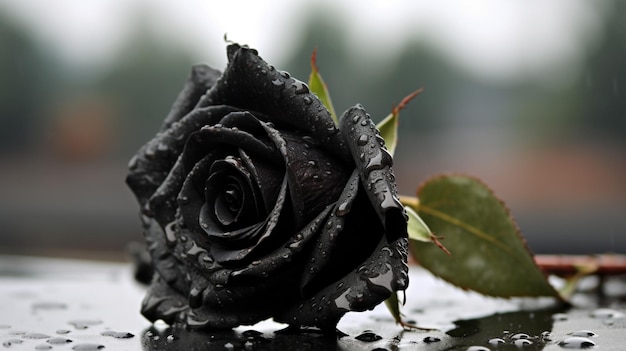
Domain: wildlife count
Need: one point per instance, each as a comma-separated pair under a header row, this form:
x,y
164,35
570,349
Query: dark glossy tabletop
x,y
53,304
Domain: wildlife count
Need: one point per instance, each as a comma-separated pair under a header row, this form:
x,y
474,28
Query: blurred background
x,y
528,95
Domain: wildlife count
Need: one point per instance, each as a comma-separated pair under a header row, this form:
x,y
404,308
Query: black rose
x,y
256,205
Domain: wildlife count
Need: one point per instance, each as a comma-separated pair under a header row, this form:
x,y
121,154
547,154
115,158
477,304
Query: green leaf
x,y
388,128
393,305
417,229
319,88
488,254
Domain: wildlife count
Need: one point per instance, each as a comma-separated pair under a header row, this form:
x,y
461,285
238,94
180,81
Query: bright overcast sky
x,y
490,38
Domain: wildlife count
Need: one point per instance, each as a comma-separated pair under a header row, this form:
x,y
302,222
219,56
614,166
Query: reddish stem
x,y
406,101
568,265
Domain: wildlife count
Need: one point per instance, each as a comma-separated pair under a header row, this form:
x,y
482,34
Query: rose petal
x,y
374,165
152,163
250,83
201,78
385,271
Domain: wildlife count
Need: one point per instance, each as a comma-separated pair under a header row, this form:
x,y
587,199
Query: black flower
x,y
256,205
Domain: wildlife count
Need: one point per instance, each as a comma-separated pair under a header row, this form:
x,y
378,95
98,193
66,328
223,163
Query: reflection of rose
x,y
255,205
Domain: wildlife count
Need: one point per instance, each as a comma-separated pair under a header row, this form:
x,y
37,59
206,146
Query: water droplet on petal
x,y
300,87
363,139
606,313
278,82
59,341
307,100
520,336
477,348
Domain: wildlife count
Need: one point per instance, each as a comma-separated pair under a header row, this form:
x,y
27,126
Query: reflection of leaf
x,y
488,253
319,88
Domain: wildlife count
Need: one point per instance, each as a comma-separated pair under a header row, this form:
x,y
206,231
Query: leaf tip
x,y
405,101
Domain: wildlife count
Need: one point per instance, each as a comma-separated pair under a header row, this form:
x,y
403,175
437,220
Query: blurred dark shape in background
x,y
554,153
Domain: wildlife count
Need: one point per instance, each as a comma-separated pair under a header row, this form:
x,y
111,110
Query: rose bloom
x,y
255,204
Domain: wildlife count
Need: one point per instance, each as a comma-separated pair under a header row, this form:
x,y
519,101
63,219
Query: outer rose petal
x,y
250,83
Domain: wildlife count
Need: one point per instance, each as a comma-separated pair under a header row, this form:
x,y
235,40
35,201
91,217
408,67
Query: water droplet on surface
x,y
559,317
342,209
87,347
431,339
477,348
278,82
307,100
285,74
11,342
62,331
363,139
520,336
84,324
584,333
522,342
576,342
606,313
229,346
43,347
368,336
59,341
35,336
495,341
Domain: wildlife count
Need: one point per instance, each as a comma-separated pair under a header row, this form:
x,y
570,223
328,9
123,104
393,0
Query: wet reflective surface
x,y
79,305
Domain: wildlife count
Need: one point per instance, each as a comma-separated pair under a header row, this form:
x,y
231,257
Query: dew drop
x,y
35,336
522,342
606,313
229,346
307,100
59,341
368,336
87,347
300,87
342,209
285,74
495,341
519,336
263,71
477,348
559,317
363,139
431,339
584,333
11,342
84,324
43,347
278,82
364,122
576,342
62,331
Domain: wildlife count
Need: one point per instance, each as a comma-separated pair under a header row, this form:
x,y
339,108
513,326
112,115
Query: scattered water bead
x,y
84,324
229,346
576,342
522,342
431,339
35,336
519,336
59,341
606,313
496,341
88,347
368,336
477,348
559,317
62,331
117,335
584,333
43,347
170,338
11,342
